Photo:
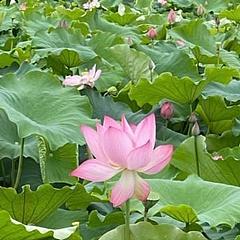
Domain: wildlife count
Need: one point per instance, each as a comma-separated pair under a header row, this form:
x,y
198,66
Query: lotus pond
x,y
120,120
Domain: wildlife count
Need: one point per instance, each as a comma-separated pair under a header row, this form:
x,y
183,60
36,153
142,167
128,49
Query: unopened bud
x,y
167,110
192,118
195,129
200,10
162,2
128,40
172,16
63,24
152,33
180,43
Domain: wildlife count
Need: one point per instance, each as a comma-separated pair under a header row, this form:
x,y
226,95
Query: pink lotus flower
x,y
162,2
172,16
152,33
127,149
87,78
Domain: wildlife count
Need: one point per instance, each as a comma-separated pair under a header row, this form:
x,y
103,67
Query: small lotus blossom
x,y
12,2
172,15
127,149
152,33
200,10
167,110
162,2
180,43
87,78
91,5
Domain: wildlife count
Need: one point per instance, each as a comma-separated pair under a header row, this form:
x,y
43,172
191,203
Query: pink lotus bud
x,y
152,33
162,2
167,110
195,129
180,43
172,16
200,10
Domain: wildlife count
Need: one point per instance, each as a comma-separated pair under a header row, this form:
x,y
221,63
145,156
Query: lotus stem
x,y
127,221
20,164
3,172
196,155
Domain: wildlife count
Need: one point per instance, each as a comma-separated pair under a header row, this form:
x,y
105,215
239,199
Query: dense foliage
x,y
178,59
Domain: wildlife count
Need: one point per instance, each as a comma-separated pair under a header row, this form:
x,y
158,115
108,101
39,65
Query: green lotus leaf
x,y
146,231
166,86
182,213
222,75
59,40
134,63
214,203
33,206
168,58
57,165
233,15
9,141
39,105
216,114
195,33
14,230
229,91
192,155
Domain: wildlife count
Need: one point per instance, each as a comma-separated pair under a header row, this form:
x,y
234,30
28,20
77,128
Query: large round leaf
x,y
146,231
213,203
38,104
9,141
14,230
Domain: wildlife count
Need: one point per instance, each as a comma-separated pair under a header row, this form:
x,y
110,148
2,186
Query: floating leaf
x,y
38,104
146,231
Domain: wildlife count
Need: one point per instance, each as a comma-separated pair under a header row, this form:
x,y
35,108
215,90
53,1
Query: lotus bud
x,y
192,118
167,110
195,129
162,2
128,40
172,16
63,24
180,43
200,10
152,33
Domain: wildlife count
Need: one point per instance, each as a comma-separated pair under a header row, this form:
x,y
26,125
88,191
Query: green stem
x,y
145,218
127,222
13,173
20,163
3,172
196,155
190,125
